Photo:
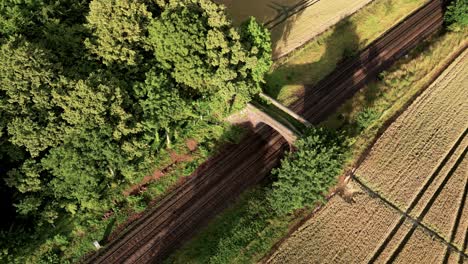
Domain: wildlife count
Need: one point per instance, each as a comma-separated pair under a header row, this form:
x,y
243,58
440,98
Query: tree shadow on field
x,y
279,16
317,89
340,43
284,22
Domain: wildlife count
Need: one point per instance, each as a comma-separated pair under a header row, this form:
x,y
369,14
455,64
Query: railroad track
x,y
204,194
210,188
322,99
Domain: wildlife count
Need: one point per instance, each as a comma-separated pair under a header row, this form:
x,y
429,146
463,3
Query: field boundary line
x,y
406,216
456,224
440,69
415,200
426,208
410,101
294,10
291,53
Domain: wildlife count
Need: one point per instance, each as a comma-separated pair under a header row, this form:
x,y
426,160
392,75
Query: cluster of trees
x,y
91,90
306,175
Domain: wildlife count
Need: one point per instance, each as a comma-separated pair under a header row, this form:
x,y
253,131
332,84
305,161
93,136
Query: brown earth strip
x,y
205,193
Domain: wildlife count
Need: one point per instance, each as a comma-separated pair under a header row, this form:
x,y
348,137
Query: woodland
x,y
92,91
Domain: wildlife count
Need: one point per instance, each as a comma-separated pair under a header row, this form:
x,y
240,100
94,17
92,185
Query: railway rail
x,y
206,192
322,99
210,188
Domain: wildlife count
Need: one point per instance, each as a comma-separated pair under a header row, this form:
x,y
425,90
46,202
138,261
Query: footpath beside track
x,y
222,178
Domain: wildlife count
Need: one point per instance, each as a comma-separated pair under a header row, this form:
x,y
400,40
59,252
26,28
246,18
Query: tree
x,y
195,42
28,79
306,175
162,106
119,27
90,91
456,15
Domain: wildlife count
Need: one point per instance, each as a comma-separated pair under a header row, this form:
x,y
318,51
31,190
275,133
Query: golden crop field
x,y
412,148
418,167
350,232
319,57
443,212
340,233
420,248
292,22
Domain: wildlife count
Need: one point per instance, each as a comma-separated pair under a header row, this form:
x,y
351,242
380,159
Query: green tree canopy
x,y
306,175
92,91
457,14
119,27
196,43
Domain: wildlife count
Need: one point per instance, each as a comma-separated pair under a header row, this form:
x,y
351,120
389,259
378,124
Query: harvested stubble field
x,y
346,232
428,139
340,233
411,149
448,203
420,248
460,235
292,22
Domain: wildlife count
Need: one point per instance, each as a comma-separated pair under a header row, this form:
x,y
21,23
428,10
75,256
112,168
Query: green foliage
x,y
91,95
119,27
239,235
366,117
306,175
195,42
456,15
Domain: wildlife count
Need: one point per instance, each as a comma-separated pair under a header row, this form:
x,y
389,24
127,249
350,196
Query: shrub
x,y
307,174
457,15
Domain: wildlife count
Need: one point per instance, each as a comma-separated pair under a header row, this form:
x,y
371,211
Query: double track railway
x,y
210,188
207,191
320,100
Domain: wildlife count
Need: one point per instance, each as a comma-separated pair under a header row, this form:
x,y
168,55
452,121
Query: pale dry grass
x,y
341,232
413,146
300,28
262,10
319,57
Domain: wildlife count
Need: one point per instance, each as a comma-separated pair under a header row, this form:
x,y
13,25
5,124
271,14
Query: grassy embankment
x,y
247,231
320,56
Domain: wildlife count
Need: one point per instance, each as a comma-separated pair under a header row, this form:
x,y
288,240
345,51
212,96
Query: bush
x,y
457,15
365,118
306,175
